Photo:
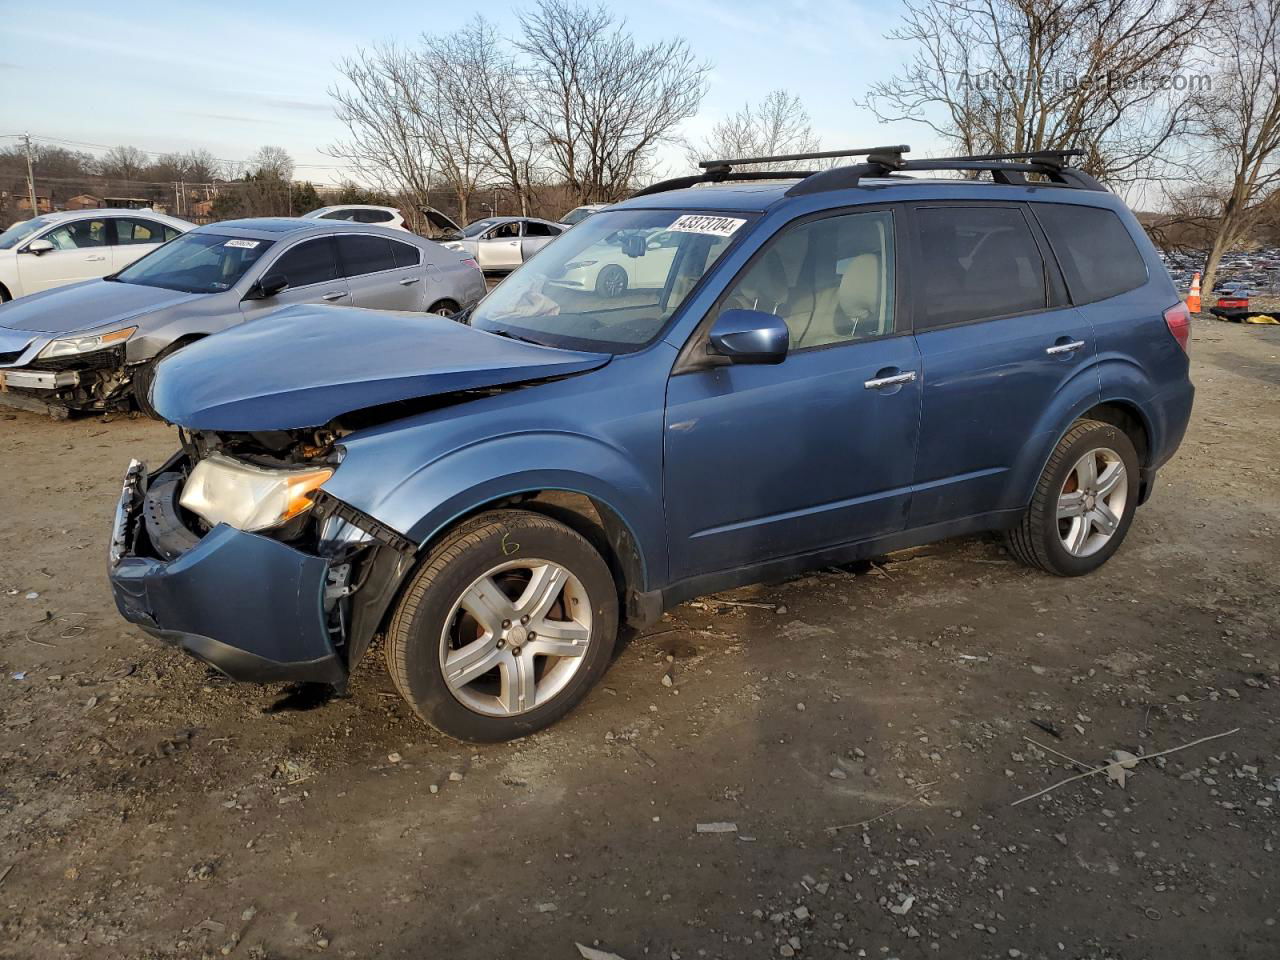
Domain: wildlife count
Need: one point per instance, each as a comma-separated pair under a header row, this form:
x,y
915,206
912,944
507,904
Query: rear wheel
x,y
510,621
1083,504
445,308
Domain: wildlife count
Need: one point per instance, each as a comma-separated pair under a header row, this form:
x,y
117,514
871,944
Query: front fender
x,y
433,496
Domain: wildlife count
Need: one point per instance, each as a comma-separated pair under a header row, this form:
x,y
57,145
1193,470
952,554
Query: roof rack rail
x,y
892,155
882,159
1047,157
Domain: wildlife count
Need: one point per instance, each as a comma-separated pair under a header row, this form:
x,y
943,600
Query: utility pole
x,y
31,180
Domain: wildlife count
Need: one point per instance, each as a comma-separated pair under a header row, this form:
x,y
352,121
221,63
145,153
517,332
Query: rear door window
x,y
1095,250
373,216
534,229
129,230
977,263
311,261
361,254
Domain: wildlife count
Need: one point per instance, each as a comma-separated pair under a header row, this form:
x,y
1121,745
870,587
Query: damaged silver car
x,y
94,346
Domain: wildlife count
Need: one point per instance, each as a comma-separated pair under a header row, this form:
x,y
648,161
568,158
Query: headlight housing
x,y
71,346
241,495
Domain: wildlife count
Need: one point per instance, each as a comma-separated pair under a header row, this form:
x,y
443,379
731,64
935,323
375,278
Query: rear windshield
x,y
196,263
1097,254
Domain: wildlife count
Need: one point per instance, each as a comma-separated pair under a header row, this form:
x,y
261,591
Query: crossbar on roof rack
x,y
1057,158
897,150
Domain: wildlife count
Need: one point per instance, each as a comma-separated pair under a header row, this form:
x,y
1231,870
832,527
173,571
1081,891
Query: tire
x,y
1066,531
145,374
480,566
444,308
611,281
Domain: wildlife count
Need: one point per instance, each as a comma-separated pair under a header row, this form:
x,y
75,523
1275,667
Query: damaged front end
x,y
97,381
295,597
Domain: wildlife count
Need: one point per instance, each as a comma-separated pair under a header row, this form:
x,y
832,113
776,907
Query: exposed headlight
x,y
71,346
223,490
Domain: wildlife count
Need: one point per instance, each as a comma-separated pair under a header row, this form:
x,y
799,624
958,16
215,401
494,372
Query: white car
x,y
615,264
55,249
500,244
437,226
578,214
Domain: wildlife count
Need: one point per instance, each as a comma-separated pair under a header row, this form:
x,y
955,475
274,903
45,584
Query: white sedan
x,y
55,249
611,267
500,244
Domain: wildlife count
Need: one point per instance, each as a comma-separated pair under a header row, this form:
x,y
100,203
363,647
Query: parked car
x,y
578,214
55,249
439,226
608,269
94,345
500,244
834,367
1232,304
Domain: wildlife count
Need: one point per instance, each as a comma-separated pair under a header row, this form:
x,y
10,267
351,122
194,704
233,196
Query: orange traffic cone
x,y
1193,297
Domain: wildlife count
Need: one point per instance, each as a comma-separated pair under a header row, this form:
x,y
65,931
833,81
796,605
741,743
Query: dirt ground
x,y
148,810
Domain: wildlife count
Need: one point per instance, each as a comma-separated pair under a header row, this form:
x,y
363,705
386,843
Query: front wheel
x,y
506,626
143,376
1083,504
611,281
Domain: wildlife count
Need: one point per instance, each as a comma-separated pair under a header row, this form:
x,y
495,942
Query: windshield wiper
x,y
515,336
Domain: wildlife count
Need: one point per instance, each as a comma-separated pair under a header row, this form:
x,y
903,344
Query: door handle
x,y
336,295
879,383
408,280
1060,348
94,259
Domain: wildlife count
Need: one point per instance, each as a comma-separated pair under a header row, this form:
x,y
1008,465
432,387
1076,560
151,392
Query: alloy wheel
x,y
1092,502
516,637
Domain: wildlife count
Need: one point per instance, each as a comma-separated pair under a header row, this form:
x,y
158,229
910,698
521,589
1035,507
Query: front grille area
x,y
107,359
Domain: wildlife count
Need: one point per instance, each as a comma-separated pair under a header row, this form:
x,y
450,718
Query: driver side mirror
x,y
749,336
38,247
269,286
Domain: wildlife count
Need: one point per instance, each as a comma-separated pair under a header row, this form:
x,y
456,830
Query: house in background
x,y
83,201
22,203
126,203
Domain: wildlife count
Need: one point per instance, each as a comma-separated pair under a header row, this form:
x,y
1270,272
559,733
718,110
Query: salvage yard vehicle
x,y
94,345
437,225
578,214
500,244
838,364
56,249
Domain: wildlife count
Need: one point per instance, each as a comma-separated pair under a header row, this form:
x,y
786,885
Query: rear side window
x,y
130,231
373,216
363,254
1097,254
977,263
309,262
534,229
405,254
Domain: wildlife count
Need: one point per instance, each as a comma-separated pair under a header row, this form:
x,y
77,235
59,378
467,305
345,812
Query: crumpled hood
x,y
84,306
304,365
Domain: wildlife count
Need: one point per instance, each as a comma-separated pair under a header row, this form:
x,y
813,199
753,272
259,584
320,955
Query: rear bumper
x,y
250,606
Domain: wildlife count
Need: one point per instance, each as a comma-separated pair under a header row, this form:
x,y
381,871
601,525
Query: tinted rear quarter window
x,y
977,263
405,254
1095,250
362,254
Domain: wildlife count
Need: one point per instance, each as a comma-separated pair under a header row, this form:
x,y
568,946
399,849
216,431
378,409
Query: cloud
x,y
287,103
225,117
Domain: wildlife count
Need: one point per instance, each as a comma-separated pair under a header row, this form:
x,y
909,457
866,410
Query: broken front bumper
x,y
38,379
250,606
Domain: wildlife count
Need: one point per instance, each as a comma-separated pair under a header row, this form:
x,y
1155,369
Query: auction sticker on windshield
x,y
243,244
701,223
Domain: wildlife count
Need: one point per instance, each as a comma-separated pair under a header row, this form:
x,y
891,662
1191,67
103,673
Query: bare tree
x,y
378,103
272,163
602,103
1239,139
123,163
202,166
486,83
1017,75
778,124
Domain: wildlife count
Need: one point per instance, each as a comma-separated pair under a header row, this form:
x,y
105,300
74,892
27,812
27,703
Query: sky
x,y
232,76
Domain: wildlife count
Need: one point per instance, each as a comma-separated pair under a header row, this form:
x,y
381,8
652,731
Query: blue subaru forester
x,y
728,378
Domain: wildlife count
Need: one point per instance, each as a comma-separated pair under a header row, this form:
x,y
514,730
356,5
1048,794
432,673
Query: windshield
x,y
477,228
21,229
196,263
576,214
612,282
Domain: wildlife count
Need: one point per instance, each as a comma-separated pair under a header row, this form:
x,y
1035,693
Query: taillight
x,y
471,262
1178,319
